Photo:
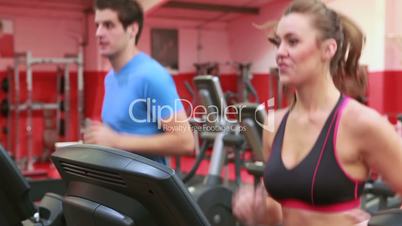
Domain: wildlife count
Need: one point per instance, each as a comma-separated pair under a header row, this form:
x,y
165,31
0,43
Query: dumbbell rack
x,y
17,106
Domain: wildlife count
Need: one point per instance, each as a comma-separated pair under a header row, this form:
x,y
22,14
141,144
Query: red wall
x,y
385,95
45,90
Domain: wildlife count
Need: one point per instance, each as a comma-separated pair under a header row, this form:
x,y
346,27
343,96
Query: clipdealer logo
x,y
155,113
269,125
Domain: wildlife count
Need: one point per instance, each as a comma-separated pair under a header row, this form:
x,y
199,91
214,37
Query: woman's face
x,y
299,56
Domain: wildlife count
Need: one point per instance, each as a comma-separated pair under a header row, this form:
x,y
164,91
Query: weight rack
x,y
17,106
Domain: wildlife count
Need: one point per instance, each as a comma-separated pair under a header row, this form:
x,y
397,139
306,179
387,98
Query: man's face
x,y
111,36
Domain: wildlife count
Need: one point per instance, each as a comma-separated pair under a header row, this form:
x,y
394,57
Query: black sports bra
x,y
318,182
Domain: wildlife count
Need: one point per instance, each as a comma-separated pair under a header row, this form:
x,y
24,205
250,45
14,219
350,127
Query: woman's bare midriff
x,y
297,217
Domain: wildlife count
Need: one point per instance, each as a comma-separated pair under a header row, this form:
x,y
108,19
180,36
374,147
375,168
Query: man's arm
x,y
177,138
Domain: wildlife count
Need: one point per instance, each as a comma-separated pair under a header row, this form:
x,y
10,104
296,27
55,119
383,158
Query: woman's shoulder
x,y
361,119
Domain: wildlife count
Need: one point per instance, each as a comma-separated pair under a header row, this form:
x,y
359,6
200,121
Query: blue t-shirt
x,y
138,97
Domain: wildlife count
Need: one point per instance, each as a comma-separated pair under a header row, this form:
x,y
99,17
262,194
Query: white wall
x,y
50,33
212,40
147,5
248,44
8,26
393,40
370,16
44,32
54,32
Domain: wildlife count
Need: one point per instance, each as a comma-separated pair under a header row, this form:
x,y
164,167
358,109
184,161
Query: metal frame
x,y
9,98
210,93
29,106
243,78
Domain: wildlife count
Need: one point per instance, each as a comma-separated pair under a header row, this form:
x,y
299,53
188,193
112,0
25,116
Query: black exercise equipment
x,y
5,82
215,199
4,107
379,196
244,86
5,85
391,217
41,186
113,187
207,68
251,117
245,91
16,208
200,157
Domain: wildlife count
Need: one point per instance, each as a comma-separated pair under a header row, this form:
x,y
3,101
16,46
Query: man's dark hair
x,y
128,12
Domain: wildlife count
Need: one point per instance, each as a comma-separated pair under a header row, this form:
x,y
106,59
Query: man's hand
x,y
99,133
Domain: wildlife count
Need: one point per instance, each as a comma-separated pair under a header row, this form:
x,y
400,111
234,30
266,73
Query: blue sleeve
x,y
163,95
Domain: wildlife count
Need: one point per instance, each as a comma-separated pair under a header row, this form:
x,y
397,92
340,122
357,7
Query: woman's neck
x,y
315,95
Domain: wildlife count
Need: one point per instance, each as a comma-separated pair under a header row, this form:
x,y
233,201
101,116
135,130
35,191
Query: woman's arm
x,y
381,148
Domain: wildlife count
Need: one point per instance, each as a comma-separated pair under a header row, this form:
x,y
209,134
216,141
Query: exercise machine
x,y
107,186
252,117
16,208
377,196
391,217
215,199
245,90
